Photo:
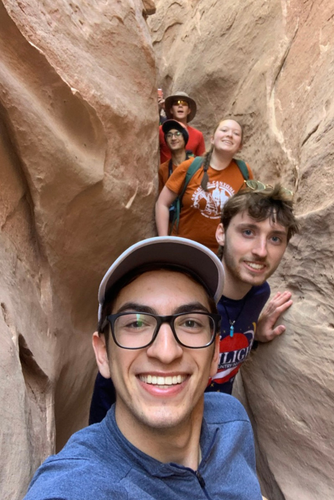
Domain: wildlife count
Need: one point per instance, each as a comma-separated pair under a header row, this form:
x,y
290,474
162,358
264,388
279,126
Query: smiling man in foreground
x,y
157,339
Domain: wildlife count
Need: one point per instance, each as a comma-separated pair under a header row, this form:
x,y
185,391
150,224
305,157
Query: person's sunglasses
x,y
182,103
259,186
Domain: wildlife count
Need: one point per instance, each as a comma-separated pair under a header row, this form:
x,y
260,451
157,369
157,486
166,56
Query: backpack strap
x,y
196,164
170,167
243,168
189,154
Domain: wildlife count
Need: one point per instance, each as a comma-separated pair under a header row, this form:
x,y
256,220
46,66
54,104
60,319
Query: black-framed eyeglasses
x,y
259,186
169,135
136,330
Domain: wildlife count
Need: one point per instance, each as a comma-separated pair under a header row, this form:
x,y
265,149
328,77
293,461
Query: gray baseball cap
x,y
187,255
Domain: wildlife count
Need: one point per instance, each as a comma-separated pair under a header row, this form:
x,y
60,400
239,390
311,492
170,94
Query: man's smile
x,y
257,266
161,381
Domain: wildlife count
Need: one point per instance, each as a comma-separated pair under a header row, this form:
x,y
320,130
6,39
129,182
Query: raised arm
x,y
266,330
162,205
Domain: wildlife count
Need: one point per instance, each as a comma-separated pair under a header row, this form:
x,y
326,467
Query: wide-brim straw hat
x,y
183,97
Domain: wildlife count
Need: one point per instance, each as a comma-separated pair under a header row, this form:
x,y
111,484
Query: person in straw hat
x,y
182,108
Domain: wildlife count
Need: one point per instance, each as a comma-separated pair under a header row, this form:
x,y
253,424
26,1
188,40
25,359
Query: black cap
x,y
173,124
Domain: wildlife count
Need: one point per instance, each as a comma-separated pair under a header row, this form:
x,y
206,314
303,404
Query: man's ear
x,y
101,355
220,235
215,358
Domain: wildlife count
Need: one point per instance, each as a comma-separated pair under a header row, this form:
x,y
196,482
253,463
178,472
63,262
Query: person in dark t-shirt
x,y
256,226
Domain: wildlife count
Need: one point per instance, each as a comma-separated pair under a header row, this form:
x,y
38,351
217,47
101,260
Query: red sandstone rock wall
x,y
77,130
78,160
271,64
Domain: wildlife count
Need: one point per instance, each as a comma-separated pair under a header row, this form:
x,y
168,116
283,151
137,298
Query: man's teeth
x,y
255,266
154,380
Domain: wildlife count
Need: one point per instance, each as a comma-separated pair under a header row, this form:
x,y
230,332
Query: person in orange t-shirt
x,y
212,184
176,137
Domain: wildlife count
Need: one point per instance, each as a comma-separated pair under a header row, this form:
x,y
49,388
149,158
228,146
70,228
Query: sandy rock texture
x,y
78,161
271,65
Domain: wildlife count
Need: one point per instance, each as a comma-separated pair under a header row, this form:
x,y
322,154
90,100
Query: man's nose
x,y
260,248
165,346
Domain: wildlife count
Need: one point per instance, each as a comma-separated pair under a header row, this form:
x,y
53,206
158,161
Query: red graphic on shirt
x,y
232,353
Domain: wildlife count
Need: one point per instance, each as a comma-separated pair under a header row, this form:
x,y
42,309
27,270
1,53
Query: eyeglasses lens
x,y
169,135
194,329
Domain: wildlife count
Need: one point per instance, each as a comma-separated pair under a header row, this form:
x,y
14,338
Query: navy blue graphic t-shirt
x,y
235,347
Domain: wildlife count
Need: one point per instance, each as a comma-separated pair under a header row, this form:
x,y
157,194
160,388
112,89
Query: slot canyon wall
x,y
271,65
78,117
78,161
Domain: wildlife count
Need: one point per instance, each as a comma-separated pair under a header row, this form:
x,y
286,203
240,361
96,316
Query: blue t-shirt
x,y
99,463
235,347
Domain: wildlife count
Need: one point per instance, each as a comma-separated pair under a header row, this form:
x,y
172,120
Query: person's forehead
x,y
243,218
160,284
230,123
173,131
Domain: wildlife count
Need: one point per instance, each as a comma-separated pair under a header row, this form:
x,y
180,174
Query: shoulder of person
x,y
264,288
258,296
234,164
164,165
183,167
220,408
250,173
68,479
193,130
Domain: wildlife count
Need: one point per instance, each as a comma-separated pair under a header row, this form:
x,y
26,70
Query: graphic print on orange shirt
x,y
210,203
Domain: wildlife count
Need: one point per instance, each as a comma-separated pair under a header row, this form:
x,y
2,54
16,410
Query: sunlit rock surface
x,y
78,160
78,151
271,65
